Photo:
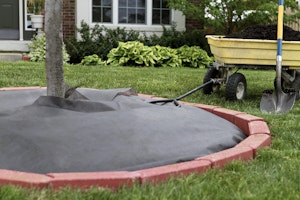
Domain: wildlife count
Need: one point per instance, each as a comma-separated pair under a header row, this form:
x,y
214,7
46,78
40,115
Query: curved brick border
x,y
259,136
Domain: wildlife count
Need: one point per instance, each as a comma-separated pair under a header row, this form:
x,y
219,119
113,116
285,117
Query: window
x,y
28,11
102,11
132,11
161,14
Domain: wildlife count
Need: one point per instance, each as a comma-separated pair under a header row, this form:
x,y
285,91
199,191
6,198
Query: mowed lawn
x,y
273,174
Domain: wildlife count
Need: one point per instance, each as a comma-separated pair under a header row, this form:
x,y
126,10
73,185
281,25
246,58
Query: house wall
x,y
192,24
84,13
69,16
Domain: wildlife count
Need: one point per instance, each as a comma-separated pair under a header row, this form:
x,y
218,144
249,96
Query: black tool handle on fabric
x,y
182,96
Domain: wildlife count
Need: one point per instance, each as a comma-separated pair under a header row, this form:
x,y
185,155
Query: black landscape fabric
x,y
104,130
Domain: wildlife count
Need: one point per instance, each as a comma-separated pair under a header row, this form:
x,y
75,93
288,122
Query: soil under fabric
x,y
266,32
104,130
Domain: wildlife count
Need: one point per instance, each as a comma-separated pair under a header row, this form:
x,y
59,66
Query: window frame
x,y
27,19
112,15
84,13
115,17
161,10
136,8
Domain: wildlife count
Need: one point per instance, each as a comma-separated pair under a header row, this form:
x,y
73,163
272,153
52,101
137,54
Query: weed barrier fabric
x,y
104,130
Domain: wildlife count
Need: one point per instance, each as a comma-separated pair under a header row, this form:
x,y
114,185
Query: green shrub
x,y
193,56
97,40
138,54
197,38
92,60
37,49
170,38
175,39
100,40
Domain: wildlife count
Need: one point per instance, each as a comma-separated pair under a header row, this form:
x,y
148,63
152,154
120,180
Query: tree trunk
x,y
54,42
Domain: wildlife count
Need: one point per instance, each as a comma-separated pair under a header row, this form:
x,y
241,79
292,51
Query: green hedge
x,y
97,40
101,40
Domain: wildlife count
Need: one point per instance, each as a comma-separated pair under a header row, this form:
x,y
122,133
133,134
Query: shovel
x,y
279,101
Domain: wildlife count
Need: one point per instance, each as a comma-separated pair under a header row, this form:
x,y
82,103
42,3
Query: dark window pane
x,y
122,3
132,3
156,3
96,14
107,3
102,11
107,15
165,17
132,11
164,4
122,15
141,3
141,16
97,2
161,14
132,16
156,17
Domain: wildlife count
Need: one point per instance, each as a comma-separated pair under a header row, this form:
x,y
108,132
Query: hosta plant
x,y
193,56
92,60
37,49
136,53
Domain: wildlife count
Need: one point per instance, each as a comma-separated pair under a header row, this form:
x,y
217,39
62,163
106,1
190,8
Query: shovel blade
x,y
277,102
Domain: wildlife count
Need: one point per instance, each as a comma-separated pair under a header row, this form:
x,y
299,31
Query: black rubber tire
x,y
236,87
296,84
212,72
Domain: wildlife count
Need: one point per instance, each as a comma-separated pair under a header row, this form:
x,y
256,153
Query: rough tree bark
x,y
54,42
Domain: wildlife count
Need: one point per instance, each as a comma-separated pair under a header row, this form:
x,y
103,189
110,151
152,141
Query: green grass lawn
x,y
273,174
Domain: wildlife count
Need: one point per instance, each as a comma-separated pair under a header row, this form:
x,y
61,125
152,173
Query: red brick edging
x,y
259,136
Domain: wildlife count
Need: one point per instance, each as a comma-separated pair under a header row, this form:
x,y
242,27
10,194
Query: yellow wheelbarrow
x,y
230,53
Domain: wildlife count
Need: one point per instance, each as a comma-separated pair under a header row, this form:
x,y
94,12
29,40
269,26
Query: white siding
x,y
84,13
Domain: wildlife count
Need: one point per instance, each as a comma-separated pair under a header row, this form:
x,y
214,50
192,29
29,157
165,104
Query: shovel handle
x,y
280,27
279,43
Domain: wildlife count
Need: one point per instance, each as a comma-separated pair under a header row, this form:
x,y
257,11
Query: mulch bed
x,y
266,32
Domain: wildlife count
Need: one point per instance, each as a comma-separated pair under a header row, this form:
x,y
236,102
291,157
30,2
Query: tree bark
x,y
54,42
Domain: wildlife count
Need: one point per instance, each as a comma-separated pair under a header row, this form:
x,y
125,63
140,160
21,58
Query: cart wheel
x,y
212,72
296,84
236,87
